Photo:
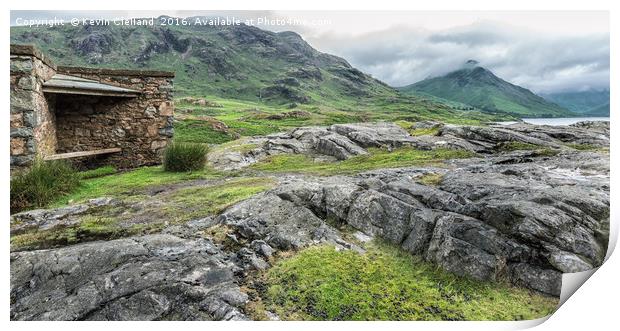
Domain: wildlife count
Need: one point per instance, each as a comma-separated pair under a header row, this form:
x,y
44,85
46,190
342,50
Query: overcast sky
x,y
542,51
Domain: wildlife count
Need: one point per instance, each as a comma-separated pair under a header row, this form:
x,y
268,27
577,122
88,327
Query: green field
x,y
225,120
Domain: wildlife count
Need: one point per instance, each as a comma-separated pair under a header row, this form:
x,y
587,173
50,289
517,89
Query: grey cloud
x,y
543,63
474,35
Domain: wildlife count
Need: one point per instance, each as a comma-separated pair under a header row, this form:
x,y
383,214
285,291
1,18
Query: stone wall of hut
x,y
141,126
51,123
33,123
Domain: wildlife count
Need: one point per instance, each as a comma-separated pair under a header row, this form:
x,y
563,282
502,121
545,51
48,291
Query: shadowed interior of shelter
x,y
89,116
87,124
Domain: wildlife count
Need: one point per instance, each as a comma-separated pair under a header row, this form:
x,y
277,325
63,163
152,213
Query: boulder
x,y
338,146
375,134
282,224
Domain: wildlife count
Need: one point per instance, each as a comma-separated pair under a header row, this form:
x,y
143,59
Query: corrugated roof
x,y
60,83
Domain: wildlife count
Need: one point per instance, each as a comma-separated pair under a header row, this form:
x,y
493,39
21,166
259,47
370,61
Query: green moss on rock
x,y
386,283
376,159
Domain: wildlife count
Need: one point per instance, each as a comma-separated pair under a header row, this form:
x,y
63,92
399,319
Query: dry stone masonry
x,y
32,121
76,120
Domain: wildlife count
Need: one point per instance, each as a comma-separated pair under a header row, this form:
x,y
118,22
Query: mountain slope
x,y
240,62
479,87
590,103
602,110
250,72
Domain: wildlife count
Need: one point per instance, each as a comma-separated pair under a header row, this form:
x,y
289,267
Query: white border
x,y
593,305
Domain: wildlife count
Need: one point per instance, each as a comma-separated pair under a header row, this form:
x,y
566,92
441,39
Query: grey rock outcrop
x,y
44,219
484,220
141,278
337,142
522,216
488,138
278,222
375,134
176,275
342,141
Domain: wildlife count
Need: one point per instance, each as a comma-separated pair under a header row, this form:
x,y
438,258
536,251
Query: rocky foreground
x,y
534,204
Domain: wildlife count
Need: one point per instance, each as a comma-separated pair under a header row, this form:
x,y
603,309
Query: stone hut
x,y
90,116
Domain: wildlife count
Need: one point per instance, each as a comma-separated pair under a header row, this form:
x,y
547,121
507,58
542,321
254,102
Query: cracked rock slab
x,y
151,277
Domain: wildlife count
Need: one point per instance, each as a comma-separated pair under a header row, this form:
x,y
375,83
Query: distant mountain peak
x,y
473,74
471,63
479,87
472,69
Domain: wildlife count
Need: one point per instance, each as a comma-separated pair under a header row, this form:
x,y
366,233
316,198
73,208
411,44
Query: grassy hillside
x,y
587,103
602,110
240,62
480,88
451,103
250,81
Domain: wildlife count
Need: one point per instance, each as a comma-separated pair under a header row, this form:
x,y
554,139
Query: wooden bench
x,y
82,154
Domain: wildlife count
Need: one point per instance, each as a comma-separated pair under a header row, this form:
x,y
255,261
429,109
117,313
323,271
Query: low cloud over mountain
x,y
546,52
542,62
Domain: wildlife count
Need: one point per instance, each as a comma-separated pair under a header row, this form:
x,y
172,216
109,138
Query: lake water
x,y
559,120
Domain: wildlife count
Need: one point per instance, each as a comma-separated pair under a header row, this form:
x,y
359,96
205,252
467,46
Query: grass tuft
x,y
195,202
431,179
90,227
408,126
175,207
181,157
41,184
